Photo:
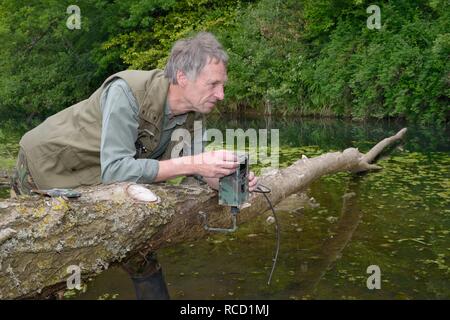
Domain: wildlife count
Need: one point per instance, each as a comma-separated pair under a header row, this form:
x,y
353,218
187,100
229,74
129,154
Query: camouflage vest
x,y
64,150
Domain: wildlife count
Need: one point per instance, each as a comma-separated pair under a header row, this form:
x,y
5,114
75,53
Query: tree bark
x,y
41,237
4,178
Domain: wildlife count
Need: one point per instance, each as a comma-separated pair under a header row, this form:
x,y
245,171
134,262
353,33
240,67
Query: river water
x,y
396,220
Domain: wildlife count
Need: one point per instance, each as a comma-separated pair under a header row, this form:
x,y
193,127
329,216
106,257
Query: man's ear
x,y
181,79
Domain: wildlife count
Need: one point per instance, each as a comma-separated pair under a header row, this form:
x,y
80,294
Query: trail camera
x,y
233,192
233,189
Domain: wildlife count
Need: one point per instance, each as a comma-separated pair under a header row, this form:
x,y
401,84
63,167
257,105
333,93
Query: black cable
x,y
264,190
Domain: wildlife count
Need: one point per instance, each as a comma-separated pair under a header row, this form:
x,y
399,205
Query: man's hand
x,y
215,164
252,181
210,165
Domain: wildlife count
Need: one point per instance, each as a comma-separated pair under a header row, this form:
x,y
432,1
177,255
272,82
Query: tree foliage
x,y
319,57
307,57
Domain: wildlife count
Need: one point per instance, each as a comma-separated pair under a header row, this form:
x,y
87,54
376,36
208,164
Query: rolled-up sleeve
x,y
119,133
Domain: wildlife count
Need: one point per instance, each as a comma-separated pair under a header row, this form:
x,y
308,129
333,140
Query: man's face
x,y
204,92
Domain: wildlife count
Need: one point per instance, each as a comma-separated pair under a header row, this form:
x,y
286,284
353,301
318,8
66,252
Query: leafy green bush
x,y
319,57
308,57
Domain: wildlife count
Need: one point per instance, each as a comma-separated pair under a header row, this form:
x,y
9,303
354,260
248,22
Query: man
x,y
122,132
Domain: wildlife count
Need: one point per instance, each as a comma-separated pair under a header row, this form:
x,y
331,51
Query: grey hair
x,y
191,55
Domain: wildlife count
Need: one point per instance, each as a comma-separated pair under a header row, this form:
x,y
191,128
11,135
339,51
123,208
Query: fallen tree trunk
x,y
4,178
41,237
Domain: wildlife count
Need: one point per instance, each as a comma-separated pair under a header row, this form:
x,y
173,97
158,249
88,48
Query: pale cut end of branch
x,y
140,193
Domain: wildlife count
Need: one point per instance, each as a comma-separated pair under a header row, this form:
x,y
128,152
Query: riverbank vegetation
x,y
310,57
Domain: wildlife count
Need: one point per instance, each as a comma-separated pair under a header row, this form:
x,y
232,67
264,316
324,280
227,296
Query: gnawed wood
x,y
106,225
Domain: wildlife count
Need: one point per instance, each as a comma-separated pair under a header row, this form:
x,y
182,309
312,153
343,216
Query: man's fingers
x,y
252,181
225,172
229,165
227,155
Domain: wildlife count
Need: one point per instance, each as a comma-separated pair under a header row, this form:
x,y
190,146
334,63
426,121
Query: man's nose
x,y
219,93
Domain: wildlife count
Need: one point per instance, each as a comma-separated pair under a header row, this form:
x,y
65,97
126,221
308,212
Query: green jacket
x,y
64,150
